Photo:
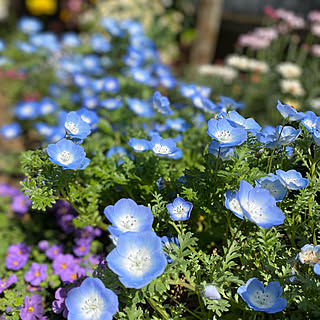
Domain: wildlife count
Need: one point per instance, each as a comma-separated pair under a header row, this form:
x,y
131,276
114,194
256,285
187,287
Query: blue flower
x,y
2,45
126,216
91,63
75,126
46,40
162,147
179,209
232,203
178,124
27,110
137,259
237,120
292,179
161,104
273,184
112,26
91,301
259,206
203,103
139,145
309,254
71,40
90,117
310,120
167,243
140,75
140,107
168,81
210,292
228,103
176,155
11,130
47,106
111,84
225,153
29,25
260,298
188,90
225,134
67,154
100,43
118,152
289,112
80,79
46,130
90,102
111,103
316,136
26,47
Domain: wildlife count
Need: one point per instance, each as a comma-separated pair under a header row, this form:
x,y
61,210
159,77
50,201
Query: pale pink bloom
x,y
315,29
315,50
314,16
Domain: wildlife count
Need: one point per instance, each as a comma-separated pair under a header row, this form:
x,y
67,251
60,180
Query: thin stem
x,y
163,314
217,163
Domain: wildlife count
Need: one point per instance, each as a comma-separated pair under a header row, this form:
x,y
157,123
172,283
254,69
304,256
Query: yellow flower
x,y
39,7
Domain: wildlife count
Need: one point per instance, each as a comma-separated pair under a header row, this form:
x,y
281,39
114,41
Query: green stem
x,y
217,163
163,314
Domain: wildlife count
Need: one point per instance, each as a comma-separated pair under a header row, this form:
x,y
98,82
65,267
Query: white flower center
x,y
310,124
70,126
9,133
27,110
158,148
255,211
139,76
138,147
65,157
261,299
92,307
179,211
128,223
110,85
235,206
138,261
47,108
289,180
224,136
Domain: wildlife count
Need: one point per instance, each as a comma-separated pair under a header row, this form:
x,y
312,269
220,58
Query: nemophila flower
x,y
238,121
137,259
47,106
29,25
91,64
111,84
167,244
91,301
310,120
68,155
99,43
46,130
32,308
316,136
140,107
259,206
225,153
161,104
228,103
203,103
80,80
112,26
45,40
90,117
26,47
310,254
168,81
111,103
36,274
260,298
176,155
126,216
70,39
11,131
226,135
273,184
232,203
75,126
292,179
140,75
188,90
139,145
5,284
210,292
27,110
162,147
179,209
90,102
289,112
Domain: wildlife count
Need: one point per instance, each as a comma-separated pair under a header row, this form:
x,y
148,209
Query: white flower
x,y
289,70
292,86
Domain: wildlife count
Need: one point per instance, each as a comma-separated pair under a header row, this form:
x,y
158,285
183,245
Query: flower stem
x,y
163,314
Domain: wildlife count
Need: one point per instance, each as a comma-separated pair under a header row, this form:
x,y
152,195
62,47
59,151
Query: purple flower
x,y
6,284
58,305
20,204
65,266
17,256
43,245
54,251
36,274
81,248
32,309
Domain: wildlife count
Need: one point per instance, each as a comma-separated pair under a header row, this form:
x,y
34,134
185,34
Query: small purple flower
x,y
179,209
6,284
36,274
20,204
17,256
54,251
62,262
43,245
58,305
81,248
32,309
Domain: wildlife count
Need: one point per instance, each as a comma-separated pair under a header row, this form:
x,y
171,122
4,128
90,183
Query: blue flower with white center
x,y
259,206
27,110
176,155
111,103
58,133
168,81
71,40
137,259
179,209
210,292
111,84
292,179
225,153
260,298
133,27
232,203
90,102
91,301
26,47
97,84
55,90
67,154
178,124
133,58
91,63
112,26
188,90
310,121
5,61
11,130
126,216
204,91
227,103
162,147
238,121
29,25
100,43
140,107
80,80
310,254
161,104
139,145
90,117
225,133
289,112
316,136
75,126
203,103
140,75
45,40
45,130
167,244
118,152
47,106
273,184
